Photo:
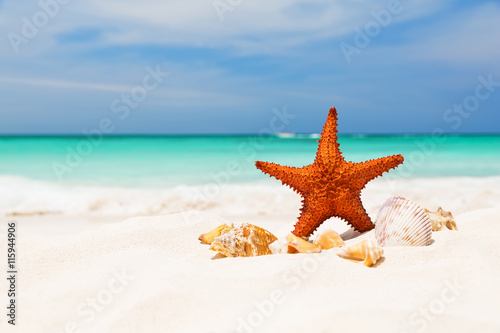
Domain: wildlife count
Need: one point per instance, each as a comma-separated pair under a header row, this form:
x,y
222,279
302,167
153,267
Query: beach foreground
x,y
92,272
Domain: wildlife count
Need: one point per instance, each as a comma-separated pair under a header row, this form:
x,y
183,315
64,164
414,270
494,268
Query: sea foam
x,y
24,197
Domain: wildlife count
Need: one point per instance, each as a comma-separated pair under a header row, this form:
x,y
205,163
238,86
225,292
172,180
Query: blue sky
x,y
231,63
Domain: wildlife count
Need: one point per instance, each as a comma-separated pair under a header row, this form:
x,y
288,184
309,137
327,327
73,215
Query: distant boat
x,y
285,134
288,135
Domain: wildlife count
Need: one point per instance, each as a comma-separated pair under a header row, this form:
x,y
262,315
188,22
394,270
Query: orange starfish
x,y
330,186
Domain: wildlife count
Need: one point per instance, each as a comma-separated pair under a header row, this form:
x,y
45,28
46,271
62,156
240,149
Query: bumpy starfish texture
x,y
330,186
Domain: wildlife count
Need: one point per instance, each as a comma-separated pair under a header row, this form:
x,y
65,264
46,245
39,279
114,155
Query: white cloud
x,y
470,37
253,26
64,84
256,26
168,96
462,40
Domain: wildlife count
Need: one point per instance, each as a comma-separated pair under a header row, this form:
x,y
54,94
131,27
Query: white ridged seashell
x,y
401,222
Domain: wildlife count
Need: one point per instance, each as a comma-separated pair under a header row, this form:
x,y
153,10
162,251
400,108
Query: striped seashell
x,y
401,222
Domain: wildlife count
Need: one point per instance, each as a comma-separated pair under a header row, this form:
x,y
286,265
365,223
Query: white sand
x,y
150,274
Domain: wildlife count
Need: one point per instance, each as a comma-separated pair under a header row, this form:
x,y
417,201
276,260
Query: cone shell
x,y
247,240
366,252
328,240
300,245
441,220
401,222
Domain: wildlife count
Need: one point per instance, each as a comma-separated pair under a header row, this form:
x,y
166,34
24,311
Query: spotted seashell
x,y
401,222
247,240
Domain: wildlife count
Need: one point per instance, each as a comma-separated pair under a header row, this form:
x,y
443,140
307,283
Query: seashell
x,y
441,219
300,245
328,240
209,237
279,246
247,240
401,222
366,252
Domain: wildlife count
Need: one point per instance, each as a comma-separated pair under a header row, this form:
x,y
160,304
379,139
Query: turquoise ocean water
x,y
143,161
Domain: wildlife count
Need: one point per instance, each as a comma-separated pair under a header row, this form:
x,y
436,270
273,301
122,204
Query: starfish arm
x,y
328,150
294,177
355,214
312,215
369,170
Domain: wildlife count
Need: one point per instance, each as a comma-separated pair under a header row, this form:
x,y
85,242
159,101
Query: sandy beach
x,y
129,129
100,271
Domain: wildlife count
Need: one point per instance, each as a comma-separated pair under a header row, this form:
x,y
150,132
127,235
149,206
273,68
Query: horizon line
x,y
280,135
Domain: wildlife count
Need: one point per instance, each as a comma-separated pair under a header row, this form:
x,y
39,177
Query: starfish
x,y
330,186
